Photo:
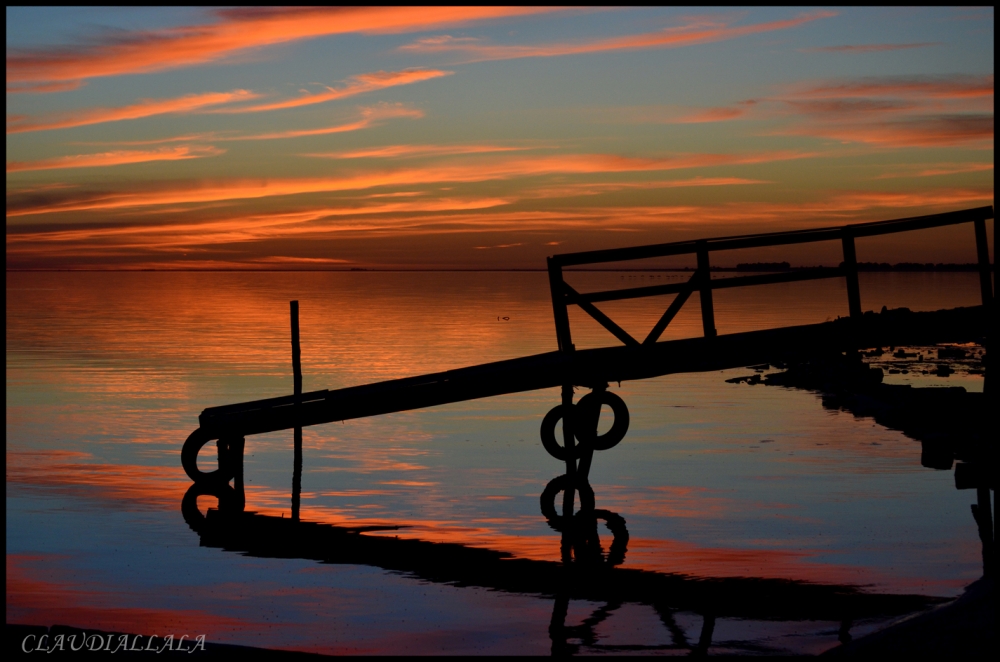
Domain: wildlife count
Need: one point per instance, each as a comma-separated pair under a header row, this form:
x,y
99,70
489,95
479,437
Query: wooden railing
x,y
563,295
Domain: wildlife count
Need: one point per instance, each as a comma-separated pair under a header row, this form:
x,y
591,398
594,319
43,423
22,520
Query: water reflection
x,y
105,374
593,543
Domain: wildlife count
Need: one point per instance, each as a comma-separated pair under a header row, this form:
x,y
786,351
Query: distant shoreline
x,y
748,267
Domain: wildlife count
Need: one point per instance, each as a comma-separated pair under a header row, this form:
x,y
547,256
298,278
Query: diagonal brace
x,y
672,310
602,319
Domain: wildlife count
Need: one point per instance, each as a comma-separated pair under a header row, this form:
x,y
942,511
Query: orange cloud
x,y
360,84
888,111
191,137
699,31
139,243
370,118
921,131
596,188
457,172
243,227
712,115
43,88
397,151
236,30
851,108
851,100
145,108
115,158
938,87
869,48
498,246
238,241
941,169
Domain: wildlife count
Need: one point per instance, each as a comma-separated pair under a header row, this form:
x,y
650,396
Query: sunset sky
x,y
483,138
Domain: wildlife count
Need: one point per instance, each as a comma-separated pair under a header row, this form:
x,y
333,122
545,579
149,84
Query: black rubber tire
x,y
189,460
548,434
611,438
229,500
557,485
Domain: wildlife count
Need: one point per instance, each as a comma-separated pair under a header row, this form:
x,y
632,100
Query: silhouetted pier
x,y
818,355
633,359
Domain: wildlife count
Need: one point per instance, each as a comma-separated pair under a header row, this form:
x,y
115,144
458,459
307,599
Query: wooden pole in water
x,y
297,372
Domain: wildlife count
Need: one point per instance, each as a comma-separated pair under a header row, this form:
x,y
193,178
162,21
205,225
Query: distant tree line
x,y
916,266
862,266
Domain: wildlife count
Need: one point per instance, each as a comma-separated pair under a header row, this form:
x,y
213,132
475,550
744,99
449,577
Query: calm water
x,y
107,373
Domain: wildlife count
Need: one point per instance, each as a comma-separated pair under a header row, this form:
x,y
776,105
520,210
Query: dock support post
x,y
563,336
851,274
565,342
569,443
231,468
983,255
297,375
705,286
236,447
984,521
985,278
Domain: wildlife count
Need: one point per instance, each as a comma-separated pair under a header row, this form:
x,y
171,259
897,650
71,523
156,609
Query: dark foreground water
x,y
107,373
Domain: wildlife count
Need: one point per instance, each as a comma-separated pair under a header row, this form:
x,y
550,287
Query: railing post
x,y
851,274
563,336
986,287
565,341
983,253
705,287
297,439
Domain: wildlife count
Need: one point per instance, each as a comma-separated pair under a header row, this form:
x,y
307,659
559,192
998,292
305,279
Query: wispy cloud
x,y
895,111
233,31
115,158
717,114
937,87
360,84
370,117
597,188
886,111
937,170
237,240
869,48
499,246
922,131
698,31
44,88
187,138
241,227
467,171
145,108
405,151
